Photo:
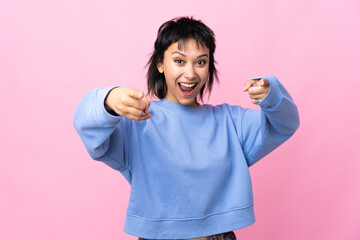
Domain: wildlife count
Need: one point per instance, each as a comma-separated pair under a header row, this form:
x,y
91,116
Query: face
x,y
186,71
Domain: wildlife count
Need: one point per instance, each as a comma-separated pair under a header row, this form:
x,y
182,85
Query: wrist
x,y
108,108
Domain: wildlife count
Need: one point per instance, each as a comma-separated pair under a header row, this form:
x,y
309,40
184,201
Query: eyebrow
x,y
203,55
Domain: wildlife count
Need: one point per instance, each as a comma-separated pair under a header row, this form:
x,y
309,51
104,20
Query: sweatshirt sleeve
x,y
263,131
103,134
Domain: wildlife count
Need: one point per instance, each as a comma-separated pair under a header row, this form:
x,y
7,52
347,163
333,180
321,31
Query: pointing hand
x,y
257,89
128,102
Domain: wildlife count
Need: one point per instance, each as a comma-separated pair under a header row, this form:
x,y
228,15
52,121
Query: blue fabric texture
x,y
221,236
188,167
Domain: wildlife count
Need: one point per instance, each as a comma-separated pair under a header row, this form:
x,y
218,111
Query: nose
x,y
190,72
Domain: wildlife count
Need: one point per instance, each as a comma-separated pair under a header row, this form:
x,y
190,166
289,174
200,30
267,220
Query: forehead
x,y
189,45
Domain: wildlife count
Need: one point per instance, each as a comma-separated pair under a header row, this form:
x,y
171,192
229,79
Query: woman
x,y
187,162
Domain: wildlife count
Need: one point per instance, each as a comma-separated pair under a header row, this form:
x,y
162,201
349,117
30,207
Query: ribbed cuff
x,y
274,96
103,116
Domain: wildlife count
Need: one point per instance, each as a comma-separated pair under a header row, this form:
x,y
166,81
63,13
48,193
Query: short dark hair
x,y
180,30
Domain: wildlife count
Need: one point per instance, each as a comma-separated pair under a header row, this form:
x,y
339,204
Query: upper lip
x,y
188,82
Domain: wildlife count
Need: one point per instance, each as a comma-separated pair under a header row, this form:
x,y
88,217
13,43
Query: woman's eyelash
x,y
202,62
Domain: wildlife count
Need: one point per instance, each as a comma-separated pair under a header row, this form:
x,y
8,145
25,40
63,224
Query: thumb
x,y
263,82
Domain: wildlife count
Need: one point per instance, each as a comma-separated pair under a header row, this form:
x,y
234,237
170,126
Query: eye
x,y
201,62
179,61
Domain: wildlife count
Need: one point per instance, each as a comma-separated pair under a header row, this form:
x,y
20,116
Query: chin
x,y
188,102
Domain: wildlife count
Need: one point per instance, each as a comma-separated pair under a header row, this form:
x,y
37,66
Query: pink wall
x,y
52,52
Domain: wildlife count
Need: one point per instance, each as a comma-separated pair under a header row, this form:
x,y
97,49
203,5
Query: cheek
x,y
202,84
204,75
170,80
172,73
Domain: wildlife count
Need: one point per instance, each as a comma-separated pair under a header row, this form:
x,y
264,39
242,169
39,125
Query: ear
x,y
160,68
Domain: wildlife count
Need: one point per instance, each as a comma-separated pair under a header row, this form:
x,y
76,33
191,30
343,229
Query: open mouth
x,y
187,88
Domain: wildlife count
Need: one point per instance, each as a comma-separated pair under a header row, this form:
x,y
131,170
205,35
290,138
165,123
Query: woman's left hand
x,y
257,93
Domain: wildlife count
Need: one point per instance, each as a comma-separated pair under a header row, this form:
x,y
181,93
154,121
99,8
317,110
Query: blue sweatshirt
x,y
188,167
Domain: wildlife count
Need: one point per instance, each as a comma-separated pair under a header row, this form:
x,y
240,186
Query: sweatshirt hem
x,y
189,227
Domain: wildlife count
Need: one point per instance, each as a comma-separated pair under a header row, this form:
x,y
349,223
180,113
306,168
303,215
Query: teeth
x,y
188,85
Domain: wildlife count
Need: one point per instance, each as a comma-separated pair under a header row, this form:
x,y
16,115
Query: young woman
x,y
187,162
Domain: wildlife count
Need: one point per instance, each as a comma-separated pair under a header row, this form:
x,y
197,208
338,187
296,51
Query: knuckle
x,y
121,108
122,98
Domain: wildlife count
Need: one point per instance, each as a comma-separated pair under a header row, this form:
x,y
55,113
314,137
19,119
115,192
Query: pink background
x,y
52,52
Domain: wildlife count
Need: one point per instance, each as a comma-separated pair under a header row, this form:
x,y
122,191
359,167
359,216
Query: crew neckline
x,y
182,108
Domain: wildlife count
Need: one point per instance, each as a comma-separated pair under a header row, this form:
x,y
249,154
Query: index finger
x,y
147,104
249,84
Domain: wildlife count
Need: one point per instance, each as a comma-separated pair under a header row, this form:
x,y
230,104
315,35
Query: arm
x,y
102,121
263,131
95,126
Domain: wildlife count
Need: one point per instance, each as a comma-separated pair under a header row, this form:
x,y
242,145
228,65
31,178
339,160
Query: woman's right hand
x,y
128,102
